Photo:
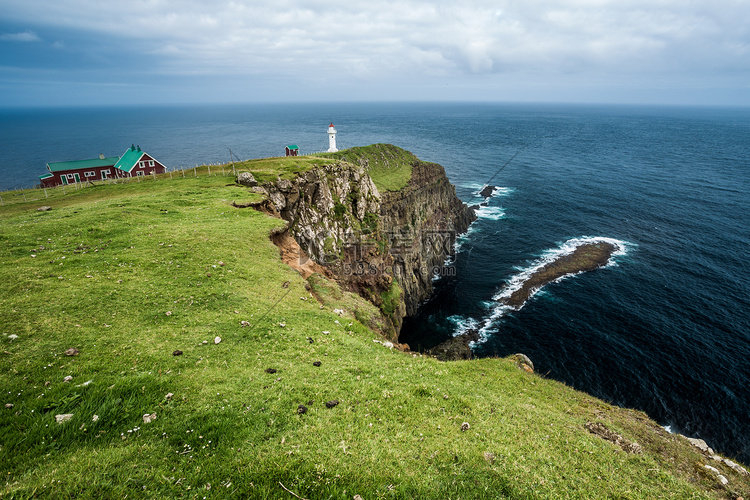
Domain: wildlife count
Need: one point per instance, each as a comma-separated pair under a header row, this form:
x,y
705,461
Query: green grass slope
x,y
128,274
389,166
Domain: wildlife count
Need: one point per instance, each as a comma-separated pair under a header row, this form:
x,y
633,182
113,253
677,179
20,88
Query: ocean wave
x,y
492,213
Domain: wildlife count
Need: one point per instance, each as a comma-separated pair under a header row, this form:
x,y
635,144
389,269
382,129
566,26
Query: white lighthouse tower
x,y
331,139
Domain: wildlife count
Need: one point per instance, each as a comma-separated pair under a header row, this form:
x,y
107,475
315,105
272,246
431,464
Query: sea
x,y
663,328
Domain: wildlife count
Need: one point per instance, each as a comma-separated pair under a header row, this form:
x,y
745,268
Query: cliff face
x,y
385,246
424,219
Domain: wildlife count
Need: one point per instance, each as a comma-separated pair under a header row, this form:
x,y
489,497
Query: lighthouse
x,y
331,139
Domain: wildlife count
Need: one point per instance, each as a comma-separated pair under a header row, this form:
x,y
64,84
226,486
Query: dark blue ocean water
x,y
665,329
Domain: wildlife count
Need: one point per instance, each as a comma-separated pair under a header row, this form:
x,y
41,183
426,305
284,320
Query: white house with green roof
x,y
132,163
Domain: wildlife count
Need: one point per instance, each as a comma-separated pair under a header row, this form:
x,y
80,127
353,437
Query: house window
x,y
90,174
151,163
105,174
70,176
140,173
141,164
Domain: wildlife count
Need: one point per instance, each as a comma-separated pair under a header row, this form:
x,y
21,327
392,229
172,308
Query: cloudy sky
x,y
94,52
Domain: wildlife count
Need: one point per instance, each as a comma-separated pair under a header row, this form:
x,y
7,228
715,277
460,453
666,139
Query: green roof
x,y
129,158
59,166
45,176
293,146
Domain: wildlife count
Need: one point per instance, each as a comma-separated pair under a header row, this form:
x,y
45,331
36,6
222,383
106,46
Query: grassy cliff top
x,y
129,274
388,165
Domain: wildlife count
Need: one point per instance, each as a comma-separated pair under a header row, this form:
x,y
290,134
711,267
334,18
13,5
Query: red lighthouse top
x,y
331,125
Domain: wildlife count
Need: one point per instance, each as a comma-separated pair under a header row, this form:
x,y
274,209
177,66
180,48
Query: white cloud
x,y
26,36
382,40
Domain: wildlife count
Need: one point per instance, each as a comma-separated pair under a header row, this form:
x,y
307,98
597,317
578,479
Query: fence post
x,y
2,203
183,172
195,170
45,193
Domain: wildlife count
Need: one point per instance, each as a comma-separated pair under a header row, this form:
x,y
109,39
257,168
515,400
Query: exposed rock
x,y
177,353
523,362
701,445
44,209
72,352
487,191
736,467
301,409
332,403
169,396
68,378
64,417
217,340
244,323
270,370
455,348
585,257
95,418
148,418
246,179
8,406
465,426
719,476
603,432
316,363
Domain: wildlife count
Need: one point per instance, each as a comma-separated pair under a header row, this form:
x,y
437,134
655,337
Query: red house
x,y
133,162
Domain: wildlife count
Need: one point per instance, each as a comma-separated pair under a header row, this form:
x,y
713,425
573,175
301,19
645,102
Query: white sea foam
x,y
492,213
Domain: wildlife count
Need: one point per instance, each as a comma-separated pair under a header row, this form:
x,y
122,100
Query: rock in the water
x,y
63,417
72,352
246,179
487,191
332,403
585,257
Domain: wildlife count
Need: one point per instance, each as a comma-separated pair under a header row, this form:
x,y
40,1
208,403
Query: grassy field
x,y
128,274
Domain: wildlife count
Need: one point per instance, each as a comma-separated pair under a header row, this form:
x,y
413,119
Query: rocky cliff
x,y
387,243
